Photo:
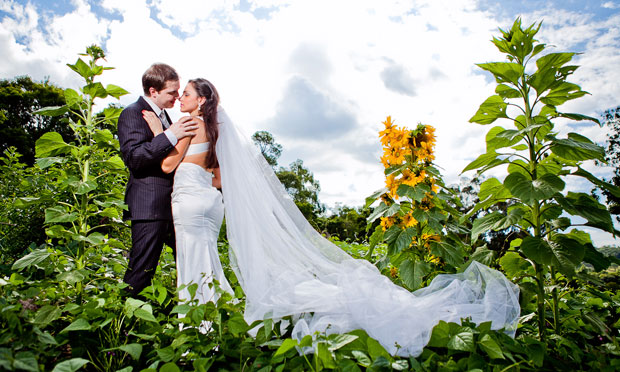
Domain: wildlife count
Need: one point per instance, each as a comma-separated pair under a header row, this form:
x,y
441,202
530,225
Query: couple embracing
x,y
284,266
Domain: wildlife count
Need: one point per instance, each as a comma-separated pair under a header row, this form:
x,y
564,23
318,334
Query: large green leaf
x,y
24,361
562,93
463,341
542,80
32,258
49,161
72,97
46,315
95,90
79,324
595,258
491,347
50,144
81,68
403,241
58,214
513,264
481,161
530,191
507,92
412,273
490,110
504,72
556,60
578,117
613,189
584,205
71,365
484,224
451,253
537,250
115,91
52,111
562,252
493,188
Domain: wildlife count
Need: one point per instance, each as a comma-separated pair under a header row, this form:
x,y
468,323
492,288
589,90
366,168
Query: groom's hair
x,y
157,75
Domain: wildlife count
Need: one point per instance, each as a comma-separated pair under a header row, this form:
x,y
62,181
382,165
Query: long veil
x,y
285,267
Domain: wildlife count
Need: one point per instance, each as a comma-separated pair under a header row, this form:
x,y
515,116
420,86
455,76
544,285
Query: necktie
x,y
162,117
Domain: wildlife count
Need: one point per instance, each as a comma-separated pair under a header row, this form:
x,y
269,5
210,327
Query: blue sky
x,y
321,75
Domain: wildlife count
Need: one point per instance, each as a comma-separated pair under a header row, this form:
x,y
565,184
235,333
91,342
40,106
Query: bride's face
x,y
190,100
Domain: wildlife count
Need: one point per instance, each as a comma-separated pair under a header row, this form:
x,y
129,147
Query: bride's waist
x,y
190,174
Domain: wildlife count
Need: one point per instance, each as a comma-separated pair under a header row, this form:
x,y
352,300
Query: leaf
x,y
507,92
52,111
537,250
412,273
530,191
403,241
613,189
95,90
484,224
145,314
556,60
49,161
132,349
79,324
440,335
490,110
325,356
31,259
562,252
483,255
287,345
237,324
481,161
494,189
25,360
115,91
72,97
371,199
70,365
86,187
361,358
513,264
376,350
50,143
81,68
463,341
595,258
504,72
46,315
584,205
488,344
58,214
115,162
577,147
169,367
451,253
377,212
166,354
336,341
562,93
578,117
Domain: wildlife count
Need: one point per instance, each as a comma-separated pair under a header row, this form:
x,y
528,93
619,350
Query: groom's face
x,y
166,97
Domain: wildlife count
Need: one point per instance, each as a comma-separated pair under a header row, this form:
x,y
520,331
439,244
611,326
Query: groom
x,y
149,188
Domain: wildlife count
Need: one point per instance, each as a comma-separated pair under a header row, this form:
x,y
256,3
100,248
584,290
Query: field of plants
x,y
63,305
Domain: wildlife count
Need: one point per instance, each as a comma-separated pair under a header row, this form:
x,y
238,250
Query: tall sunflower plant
x,y
413,209
539,164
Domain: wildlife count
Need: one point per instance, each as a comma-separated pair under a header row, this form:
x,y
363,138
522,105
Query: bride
x,y
286,268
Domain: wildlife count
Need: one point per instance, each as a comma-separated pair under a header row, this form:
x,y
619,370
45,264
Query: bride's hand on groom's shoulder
x,y
153,122
184,127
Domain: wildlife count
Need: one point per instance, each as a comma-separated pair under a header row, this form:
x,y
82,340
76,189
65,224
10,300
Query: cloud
x,y
307,113
397,79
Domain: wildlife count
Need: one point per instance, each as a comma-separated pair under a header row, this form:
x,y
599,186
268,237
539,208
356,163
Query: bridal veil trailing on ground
x,y
285,267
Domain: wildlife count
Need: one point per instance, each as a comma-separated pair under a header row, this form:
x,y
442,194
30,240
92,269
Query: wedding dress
x,y
286,268
197,211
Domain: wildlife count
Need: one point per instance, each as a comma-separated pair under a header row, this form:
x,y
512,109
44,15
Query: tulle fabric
x,y
287,268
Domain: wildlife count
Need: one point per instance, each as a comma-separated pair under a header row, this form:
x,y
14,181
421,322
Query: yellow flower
x,y
408,220
393,272
387,222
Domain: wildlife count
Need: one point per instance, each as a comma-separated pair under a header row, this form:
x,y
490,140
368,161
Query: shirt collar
x,y
155,108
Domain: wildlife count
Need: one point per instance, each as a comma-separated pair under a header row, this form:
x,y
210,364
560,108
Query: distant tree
x,y
347,223
611,118
19,127
297,179
270,149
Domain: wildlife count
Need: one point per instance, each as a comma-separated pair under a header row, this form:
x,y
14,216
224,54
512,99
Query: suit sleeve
x,y
139,148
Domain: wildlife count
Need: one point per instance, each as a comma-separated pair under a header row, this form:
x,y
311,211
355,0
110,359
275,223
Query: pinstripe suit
x,y
147,195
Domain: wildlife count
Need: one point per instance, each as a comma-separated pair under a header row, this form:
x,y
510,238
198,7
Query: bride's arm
x,y
217,179
172,160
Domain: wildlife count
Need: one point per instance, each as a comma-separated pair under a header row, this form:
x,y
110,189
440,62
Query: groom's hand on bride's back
x,y
184,127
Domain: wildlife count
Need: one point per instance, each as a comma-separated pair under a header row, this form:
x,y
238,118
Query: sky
x,y
321,75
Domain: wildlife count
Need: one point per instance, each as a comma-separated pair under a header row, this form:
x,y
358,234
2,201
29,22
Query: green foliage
x,y
89,171
270,149
538,162
19,126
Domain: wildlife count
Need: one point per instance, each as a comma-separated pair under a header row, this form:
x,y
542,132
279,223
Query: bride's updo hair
x,y
204,88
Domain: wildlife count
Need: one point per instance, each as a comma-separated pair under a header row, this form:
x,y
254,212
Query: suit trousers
x,y
148,238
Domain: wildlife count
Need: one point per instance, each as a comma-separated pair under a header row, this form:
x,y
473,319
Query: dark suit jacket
x,y
149,188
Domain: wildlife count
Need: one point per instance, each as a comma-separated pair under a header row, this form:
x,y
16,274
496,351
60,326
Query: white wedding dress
x,y
197,211
286,268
